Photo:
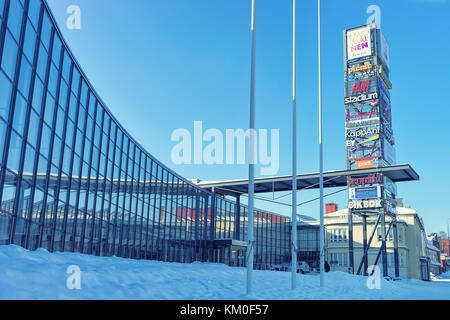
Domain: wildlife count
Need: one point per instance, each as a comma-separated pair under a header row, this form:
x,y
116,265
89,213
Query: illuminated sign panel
x,y
359,43
363,122
364,193
364,164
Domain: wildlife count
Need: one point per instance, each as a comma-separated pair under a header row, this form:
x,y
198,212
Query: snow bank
x,y
42,275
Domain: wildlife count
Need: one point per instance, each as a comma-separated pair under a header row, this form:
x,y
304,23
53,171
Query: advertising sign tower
x,y
370,142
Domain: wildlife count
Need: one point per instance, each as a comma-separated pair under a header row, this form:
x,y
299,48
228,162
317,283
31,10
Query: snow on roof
x,y
432,247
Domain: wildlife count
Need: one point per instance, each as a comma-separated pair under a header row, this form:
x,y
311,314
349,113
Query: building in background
x,y
434,253
411,242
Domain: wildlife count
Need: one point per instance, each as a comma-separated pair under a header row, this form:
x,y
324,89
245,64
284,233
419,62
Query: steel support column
x,y
365,257
350,242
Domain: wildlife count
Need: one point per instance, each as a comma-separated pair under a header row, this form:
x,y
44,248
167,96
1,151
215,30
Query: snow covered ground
x,y
43,275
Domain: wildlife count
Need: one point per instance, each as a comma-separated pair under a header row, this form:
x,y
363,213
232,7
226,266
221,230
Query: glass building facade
x,y
73,179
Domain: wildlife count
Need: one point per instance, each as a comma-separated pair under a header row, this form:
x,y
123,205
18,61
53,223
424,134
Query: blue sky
x,y
161,65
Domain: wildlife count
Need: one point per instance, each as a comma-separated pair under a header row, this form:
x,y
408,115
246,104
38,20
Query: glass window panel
x,y
45,140
53,80
66,66
20,112
42,62
63,94
15,18
99,114
92,105
56,53
33,129
9,56
29,160
15,146
81,118
38,93
5,95
72,107
84,92
89,128
25,77
75,81
79,142
56,150
2,5
49,110
60,122
2,136
46,30
70,134
33,12
42,165
66,159
30,41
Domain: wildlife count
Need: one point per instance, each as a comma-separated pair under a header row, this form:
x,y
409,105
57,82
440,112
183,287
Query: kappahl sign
x,y
358,43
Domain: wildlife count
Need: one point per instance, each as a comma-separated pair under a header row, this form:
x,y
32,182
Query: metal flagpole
x,y
251,170
322,231
294,161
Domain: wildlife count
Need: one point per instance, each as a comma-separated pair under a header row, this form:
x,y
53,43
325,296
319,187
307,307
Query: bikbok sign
x,y
359,43
365,204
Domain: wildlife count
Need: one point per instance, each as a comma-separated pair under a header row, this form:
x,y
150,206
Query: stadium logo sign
x,y
362,181
361,98
362,133
365,204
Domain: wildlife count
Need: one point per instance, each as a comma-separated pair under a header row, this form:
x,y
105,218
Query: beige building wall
x,y
411,242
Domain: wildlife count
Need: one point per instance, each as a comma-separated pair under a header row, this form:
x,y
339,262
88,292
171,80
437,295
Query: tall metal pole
x,y
294,161
251,170
322,229
448,235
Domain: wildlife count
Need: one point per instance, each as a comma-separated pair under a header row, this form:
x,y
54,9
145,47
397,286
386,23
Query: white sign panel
x,y
358,43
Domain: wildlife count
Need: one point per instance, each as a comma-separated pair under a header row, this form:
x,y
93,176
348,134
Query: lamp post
x,y
251,166
448,237
322,228
294,161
